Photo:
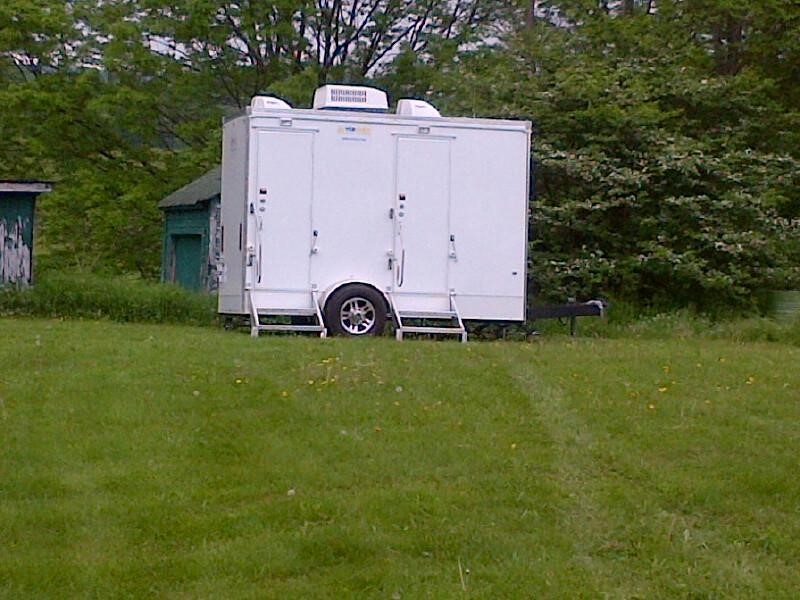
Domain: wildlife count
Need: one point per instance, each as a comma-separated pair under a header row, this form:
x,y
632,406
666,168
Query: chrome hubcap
x,y
357,315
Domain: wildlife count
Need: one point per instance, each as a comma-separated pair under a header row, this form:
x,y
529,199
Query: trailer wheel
x,y
355,310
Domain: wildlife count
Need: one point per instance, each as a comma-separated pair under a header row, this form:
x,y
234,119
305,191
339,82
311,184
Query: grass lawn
x,y
177,462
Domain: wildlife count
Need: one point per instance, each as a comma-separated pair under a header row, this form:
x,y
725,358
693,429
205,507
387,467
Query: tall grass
x,y
627,321
86,296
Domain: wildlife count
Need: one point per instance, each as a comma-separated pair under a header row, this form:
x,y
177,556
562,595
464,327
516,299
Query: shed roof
x,y
199,190
38,187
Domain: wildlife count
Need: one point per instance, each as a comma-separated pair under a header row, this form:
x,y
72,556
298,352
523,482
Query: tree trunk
x,y
627,7
530,14
728,39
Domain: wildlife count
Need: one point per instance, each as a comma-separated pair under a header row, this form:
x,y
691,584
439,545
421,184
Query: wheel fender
x,y
327,292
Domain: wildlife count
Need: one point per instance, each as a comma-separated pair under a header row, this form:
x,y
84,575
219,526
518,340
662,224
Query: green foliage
x,y
678,226
83,296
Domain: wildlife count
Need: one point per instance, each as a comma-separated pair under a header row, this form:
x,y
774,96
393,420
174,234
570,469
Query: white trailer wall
x,y
489,212
445,200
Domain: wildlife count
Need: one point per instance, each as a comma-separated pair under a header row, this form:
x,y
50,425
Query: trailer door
x,y
422,209
281,214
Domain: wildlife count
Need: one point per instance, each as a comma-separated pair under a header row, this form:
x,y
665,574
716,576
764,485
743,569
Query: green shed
x,y
193,234
17,208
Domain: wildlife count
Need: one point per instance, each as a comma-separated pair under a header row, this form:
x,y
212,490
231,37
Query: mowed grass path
x,y
174,462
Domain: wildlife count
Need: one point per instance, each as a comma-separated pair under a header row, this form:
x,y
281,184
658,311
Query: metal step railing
x,y
257,313
448,322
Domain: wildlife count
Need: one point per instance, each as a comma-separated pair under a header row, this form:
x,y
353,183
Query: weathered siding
x,y
16,238
202,219
215,246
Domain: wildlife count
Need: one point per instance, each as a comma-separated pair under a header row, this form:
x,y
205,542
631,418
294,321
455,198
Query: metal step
x,y
422,314
426,329
278,327
456,326
258,312
287,312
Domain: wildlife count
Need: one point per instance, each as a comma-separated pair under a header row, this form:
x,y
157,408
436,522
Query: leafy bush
x,y
76,295
676,223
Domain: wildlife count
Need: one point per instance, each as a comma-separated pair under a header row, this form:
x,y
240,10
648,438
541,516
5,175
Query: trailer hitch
x,y
571,310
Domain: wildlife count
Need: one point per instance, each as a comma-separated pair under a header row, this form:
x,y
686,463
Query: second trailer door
x,y
422,209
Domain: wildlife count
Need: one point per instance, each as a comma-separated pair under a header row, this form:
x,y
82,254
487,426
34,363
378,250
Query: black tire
x,y
355,310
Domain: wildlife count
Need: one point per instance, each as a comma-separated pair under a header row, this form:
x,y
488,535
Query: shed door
x,y
422,208
282,213
189,259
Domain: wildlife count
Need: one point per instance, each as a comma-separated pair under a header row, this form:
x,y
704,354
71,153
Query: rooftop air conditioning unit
x,y
351,97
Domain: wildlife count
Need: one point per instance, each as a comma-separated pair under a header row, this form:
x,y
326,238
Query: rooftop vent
x,y
416,108
259,103
350,97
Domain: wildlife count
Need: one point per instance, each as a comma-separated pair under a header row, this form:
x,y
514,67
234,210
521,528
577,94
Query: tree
x,y
659,179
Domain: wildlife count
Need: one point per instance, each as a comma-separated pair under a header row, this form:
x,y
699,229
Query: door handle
x,y
401,272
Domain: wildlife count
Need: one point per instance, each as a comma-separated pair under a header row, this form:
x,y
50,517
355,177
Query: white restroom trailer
x,y
341,215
